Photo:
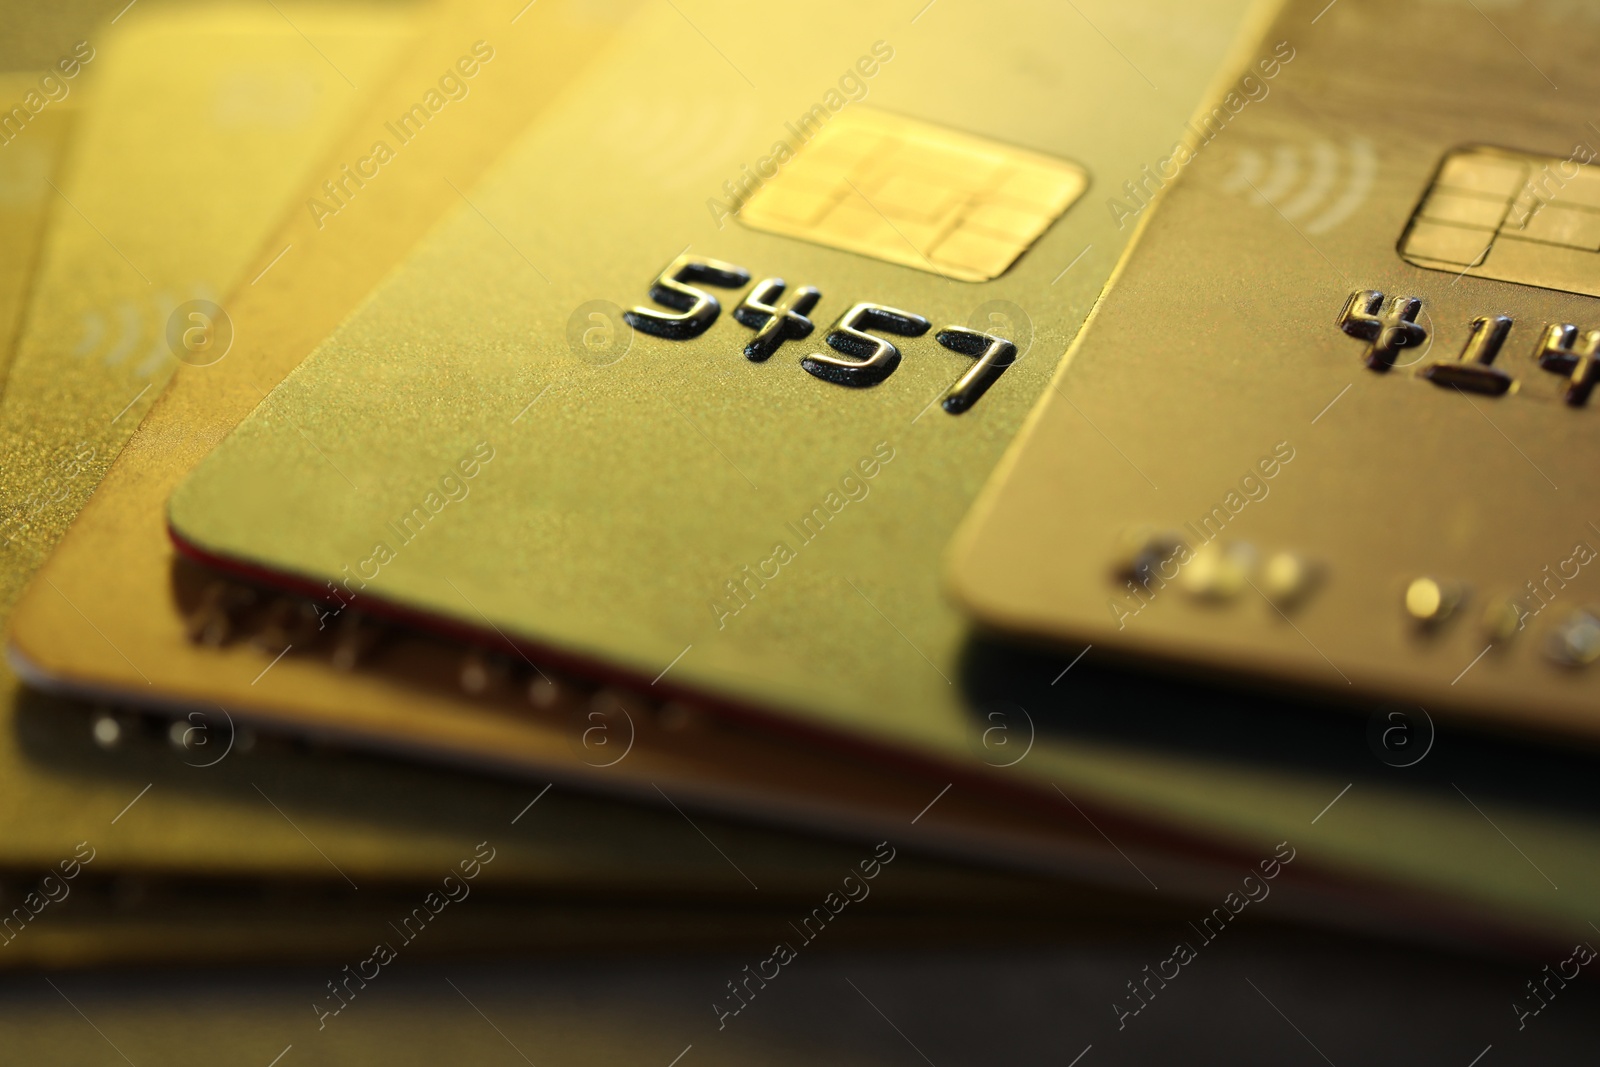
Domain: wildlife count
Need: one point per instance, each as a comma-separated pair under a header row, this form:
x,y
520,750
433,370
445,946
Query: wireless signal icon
x,y
1316,186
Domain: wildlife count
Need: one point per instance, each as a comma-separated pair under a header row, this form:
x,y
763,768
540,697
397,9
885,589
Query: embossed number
x,y
872,358
694,310
775,317
1561,352
994,355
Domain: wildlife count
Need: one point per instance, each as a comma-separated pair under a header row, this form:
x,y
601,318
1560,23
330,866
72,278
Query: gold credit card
x,y
26,171
159,633
142,238
120,92
571,450
505,450
725,498
136,98
208,840
1347,455
765,655
113,616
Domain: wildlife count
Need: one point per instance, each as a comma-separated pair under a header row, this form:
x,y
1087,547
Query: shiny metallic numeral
x,y
1561,352
1475,372
874,359
694,309
775,317
1386,330
994,355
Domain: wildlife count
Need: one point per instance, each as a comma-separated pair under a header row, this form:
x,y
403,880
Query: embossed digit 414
x,y
1388,329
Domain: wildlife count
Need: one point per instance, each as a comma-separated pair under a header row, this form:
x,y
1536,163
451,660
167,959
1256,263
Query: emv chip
x,y
1511,216
917,195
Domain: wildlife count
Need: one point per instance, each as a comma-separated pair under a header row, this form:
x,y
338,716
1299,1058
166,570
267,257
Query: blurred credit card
x,y
141,239
1347,453
25,202
140,99
137,99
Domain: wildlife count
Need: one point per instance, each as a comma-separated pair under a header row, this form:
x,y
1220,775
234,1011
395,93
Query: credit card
x,y
751,516
154,631
1124,786
135,102
25,173
141,238
518,465
191,817
165,634
1347,459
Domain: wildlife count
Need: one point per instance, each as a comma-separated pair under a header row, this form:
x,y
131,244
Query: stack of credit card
x,y
1096,457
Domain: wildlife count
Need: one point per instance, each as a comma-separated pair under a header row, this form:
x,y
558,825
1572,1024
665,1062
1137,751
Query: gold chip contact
x,y
916,194
1510,216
